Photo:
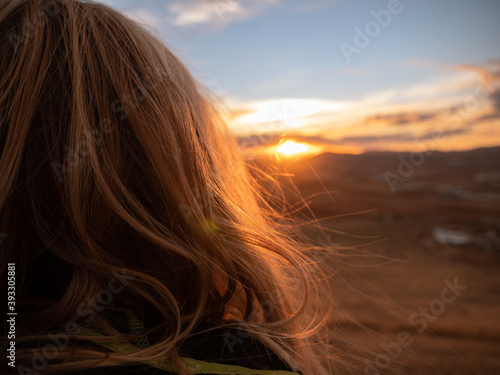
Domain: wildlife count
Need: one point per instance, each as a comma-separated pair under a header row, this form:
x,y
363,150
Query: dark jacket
x,y
222,350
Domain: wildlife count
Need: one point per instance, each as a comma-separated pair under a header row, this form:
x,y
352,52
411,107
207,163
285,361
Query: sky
x,y
343,75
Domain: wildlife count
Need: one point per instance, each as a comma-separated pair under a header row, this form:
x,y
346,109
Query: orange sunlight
x,y
292,148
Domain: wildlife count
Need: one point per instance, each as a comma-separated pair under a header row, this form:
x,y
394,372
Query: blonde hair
x,y
113,158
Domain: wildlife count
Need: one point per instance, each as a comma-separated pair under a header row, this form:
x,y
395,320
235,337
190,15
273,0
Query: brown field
x,y
398,248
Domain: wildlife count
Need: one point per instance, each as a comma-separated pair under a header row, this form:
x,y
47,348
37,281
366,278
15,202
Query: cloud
x,y
489,75
470,75
365,140
271,139
495,99
218,12
490,116
437,138
282,115
485,72
467,97
400,137
398,119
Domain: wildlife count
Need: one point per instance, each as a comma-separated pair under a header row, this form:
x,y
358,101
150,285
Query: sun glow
x,y
292,148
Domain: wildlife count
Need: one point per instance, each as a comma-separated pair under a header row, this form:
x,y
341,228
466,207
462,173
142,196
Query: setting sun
x,y
291,148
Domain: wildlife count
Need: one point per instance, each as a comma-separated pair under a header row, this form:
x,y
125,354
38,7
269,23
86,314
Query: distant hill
x,y
453,189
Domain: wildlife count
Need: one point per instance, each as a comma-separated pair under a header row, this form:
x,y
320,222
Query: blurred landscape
x,y
397,248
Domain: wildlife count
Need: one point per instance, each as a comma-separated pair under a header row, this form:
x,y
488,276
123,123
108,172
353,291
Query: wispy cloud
x,y
399,119
216,12
280,115
392,119
495,99
407,137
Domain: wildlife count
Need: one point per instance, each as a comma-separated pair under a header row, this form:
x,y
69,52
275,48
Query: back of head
x,y
114,162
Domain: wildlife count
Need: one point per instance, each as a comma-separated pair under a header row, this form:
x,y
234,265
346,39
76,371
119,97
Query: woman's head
x,y
113,159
